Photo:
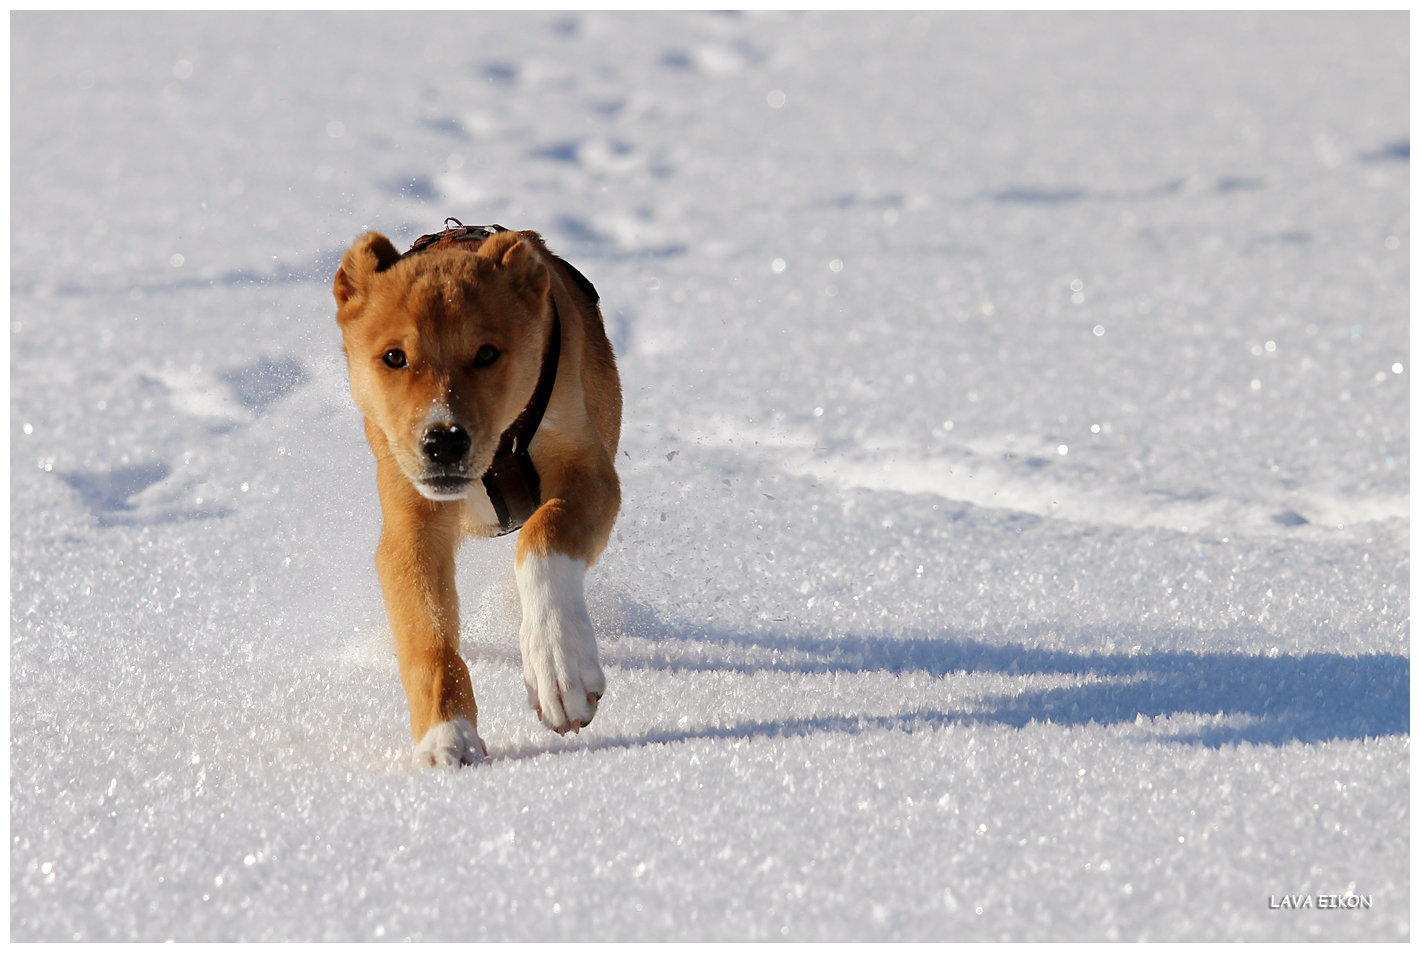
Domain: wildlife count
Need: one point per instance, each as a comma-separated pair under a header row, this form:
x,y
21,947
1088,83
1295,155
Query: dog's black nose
x,y
445,444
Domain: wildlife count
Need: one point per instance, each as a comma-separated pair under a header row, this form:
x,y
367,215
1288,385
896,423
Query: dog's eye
x,y
395,358
486,355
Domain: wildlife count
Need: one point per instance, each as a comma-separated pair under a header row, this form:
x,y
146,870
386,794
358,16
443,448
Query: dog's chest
x,y
478,508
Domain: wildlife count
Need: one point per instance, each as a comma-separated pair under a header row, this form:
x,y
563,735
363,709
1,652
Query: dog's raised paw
x,y
559,693
451,744
560,668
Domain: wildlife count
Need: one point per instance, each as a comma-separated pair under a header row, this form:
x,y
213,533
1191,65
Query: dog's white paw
x,y
451,744
560,668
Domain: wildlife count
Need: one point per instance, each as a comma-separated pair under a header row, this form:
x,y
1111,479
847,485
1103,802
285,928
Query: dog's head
x,y
445,348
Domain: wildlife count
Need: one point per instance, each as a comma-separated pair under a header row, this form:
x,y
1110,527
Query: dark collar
x,y
511,480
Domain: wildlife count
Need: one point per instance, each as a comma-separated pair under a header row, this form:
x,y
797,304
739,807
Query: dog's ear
x,y
371,253
524,267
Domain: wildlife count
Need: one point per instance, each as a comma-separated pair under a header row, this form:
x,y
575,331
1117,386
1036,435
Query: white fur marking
x,y
479,505
559,650
451,744
438,496
438,414
551,420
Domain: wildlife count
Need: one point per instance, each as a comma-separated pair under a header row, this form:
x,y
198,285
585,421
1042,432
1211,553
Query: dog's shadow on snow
x,y
1262,700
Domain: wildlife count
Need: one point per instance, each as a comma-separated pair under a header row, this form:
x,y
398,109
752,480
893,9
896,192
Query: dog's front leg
x,y
560,668
415,559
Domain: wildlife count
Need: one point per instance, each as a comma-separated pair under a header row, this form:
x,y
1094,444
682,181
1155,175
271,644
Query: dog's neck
x,y
511,480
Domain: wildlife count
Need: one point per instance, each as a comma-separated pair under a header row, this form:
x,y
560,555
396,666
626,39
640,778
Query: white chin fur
x,y
438,495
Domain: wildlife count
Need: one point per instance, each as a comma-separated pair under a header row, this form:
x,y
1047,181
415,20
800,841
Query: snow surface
x,y
1015,538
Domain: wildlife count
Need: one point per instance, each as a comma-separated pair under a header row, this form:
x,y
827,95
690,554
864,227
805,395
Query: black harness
x,y
511,480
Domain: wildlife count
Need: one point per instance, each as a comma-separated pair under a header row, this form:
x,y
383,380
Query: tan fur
x,y
439,307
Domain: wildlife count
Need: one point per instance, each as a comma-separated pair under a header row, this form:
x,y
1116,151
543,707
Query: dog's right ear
x,y
371,254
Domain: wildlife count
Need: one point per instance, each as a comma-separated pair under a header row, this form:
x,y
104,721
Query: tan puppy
x,y
491,400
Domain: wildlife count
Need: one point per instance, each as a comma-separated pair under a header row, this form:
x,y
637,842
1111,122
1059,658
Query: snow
x,y
1015,537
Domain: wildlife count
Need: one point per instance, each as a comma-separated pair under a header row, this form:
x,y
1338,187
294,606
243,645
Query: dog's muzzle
x,y
445,448
445,444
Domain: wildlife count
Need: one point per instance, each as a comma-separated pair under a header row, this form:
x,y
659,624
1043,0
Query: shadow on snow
x,y
1266,700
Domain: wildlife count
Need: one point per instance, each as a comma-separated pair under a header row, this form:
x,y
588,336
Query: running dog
x,y
492,404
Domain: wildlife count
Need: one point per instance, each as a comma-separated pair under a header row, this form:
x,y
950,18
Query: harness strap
x,y
511,481
463,233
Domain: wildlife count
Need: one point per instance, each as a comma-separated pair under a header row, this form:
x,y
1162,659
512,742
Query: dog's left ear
x,y
525,269
371,253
